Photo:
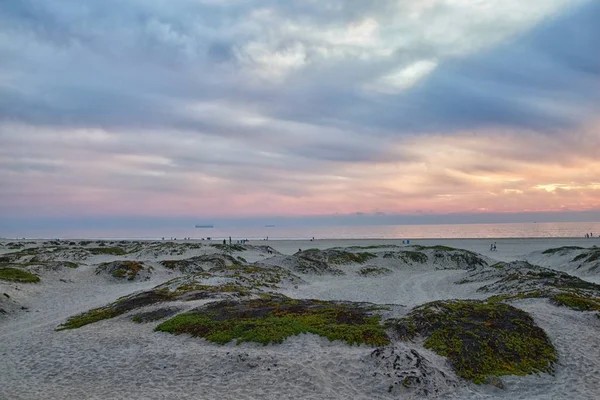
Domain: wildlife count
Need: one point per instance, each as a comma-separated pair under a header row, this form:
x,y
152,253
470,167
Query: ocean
x,y
445,231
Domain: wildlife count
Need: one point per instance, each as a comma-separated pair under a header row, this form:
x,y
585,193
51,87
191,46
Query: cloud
x,y
159,107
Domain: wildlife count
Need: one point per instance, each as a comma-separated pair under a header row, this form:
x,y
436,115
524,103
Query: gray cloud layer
x,y
115,64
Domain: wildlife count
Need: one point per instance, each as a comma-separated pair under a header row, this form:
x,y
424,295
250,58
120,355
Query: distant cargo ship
x,y
205,226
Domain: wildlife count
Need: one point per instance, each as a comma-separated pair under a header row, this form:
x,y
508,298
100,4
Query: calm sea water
x,y
446,231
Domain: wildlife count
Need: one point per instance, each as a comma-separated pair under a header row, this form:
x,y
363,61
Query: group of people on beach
x,y
493,247
589,235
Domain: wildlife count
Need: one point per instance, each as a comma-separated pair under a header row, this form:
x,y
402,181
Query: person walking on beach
x,y
495,249
492,247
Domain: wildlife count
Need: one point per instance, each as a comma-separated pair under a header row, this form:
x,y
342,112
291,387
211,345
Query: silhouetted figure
x,y
224,242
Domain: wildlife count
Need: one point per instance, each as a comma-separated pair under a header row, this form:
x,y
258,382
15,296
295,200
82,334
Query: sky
x,y
247,109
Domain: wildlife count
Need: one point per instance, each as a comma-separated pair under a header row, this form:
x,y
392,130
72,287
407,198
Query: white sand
x,y
118,359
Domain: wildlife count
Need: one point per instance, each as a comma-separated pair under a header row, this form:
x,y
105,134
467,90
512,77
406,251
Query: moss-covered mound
x,y
200,263
374,271
407,256
187,266
480,339
256,276
17,275
520,277
589,260
531,278
575,260
457,259
590,255
274,319
321,262
126,269
346,257
111,251
441,257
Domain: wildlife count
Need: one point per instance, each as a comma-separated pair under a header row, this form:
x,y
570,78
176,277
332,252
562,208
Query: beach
x,y
47,353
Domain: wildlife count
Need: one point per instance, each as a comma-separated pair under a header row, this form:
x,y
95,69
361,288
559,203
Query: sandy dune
x,y
119,359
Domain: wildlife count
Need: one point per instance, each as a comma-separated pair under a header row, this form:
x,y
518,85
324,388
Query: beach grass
x,y
18,275
111,251
374,271
576,302
271,320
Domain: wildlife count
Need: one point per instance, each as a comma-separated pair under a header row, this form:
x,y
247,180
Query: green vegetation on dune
x,y
189,288
196,291
590,256
123,269
519,296
121,306
94,315
272,320
375,246
345,257
522,280
70,264
112,251
17,275
374,271
553,279
480,339
564,248
414,256
436,247
577,302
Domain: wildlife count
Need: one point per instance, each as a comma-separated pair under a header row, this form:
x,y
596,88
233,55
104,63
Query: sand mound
x,y
579,261
320,262
8,305
200,263
520,280
409,372
434,257
522,277
227,282
125,270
